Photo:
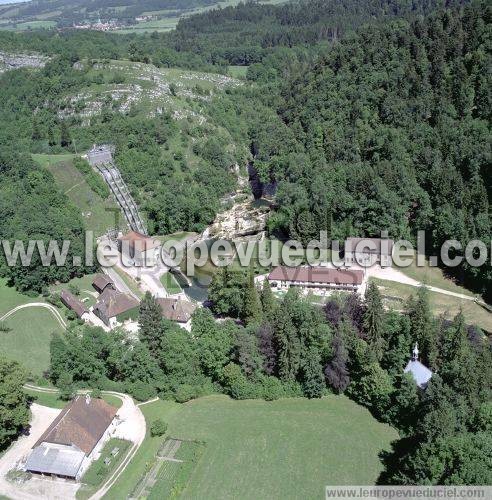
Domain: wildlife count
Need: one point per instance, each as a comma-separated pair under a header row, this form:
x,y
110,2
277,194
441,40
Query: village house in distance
x,y
74,439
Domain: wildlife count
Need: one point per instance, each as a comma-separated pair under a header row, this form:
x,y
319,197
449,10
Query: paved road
x,y
119,282
56,313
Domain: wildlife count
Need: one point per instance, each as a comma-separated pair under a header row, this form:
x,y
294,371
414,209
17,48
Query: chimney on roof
x,y
174,305
87,399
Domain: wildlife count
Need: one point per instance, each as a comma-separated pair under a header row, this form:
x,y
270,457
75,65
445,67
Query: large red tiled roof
x,y
317,275
82,423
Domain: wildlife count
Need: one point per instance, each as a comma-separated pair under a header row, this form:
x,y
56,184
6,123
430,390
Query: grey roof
x,y
55,459
112,302
361,245
420,373
176,309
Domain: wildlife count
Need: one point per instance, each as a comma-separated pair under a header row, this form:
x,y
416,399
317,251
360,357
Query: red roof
x,y
81,423
317,275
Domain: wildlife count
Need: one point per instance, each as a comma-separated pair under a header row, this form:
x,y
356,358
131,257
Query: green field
x,y
168,20
10,298
237,71
441,304
170,284
433,276
29,25
254,449
29,339
96,212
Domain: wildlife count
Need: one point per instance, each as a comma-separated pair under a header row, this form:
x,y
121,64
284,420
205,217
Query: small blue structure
x,y
420,373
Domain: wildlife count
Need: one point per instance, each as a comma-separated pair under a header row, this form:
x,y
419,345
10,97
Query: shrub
x,y
272,388
4,327
54,299
75,289
184,393
158,428
141,391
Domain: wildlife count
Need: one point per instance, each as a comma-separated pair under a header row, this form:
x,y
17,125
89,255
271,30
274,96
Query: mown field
x,y
289,448
28,340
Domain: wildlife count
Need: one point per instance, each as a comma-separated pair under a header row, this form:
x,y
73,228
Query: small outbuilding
x,y
178,310
420,373
101,282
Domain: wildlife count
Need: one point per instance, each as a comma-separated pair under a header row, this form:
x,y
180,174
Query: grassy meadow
x,y
288,448
96,212
28,340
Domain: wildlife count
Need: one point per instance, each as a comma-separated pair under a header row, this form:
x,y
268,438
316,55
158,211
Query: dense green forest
x,y
392,132
387,129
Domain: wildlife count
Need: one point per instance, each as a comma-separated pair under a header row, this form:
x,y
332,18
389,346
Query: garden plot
x,y
127,86
171,469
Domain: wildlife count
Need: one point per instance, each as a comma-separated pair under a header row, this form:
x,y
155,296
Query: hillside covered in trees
x,y
388,130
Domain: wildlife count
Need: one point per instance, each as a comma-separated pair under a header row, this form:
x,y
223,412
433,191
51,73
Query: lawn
x,y
98,471
29,339
432,276
170,284
10,298
98,214
440,303
88,294
290,448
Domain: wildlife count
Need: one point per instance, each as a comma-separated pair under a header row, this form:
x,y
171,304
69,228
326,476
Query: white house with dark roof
x,y
420,373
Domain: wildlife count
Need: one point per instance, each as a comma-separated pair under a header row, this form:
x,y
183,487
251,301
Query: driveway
x,y
35,488
132,427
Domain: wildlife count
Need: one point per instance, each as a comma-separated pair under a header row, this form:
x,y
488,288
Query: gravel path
x,y
56,313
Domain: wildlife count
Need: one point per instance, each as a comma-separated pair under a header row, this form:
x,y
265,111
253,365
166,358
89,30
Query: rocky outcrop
x,y
15,61
245,220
